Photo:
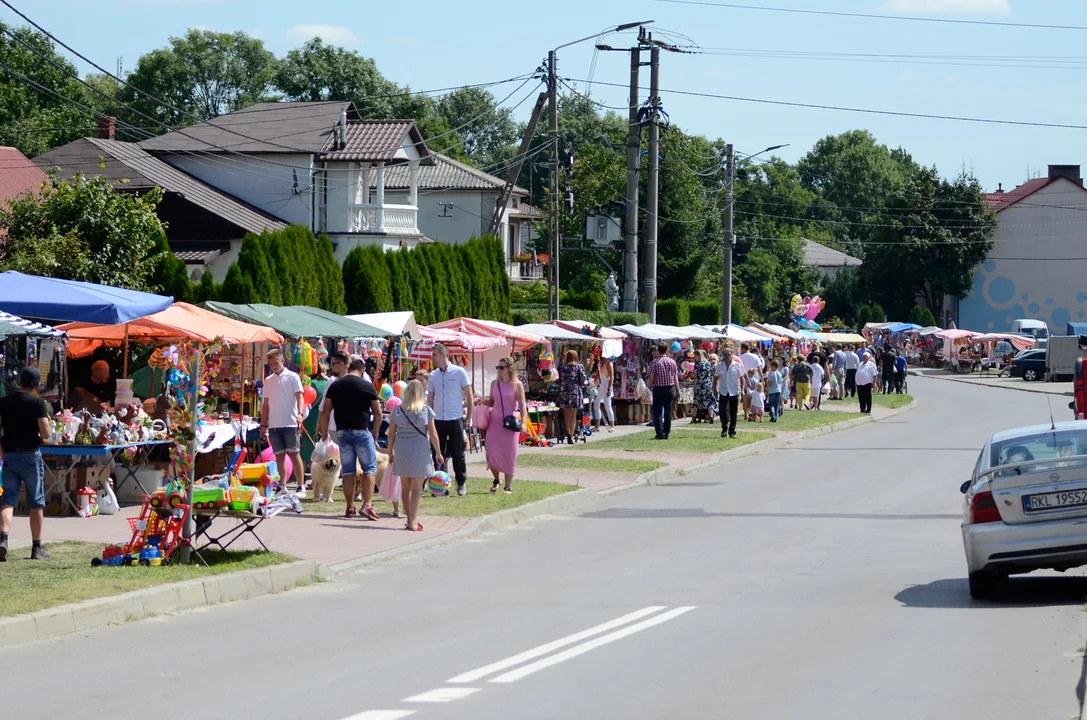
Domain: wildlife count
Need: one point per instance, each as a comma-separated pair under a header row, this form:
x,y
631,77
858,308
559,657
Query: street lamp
x,y
555,239
729,237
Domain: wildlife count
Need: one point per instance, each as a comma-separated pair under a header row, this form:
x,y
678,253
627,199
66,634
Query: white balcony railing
x,y
526,270
389,219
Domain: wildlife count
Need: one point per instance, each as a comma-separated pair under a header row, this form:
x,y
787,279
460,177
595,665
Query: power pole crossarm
x,y
728,239
515,171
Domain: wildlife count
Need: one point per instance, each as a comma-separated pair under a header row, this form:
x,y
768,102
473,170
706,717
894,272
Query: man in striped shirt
x,y
663,381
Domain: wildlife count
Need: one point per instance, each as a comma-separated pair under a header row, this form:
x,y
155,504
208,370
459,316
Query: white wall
x,y
469,216
265,181
1033,270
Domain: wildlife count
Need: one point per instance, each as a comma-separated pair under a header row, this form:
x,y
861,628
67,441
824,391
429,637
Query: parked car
x,y
1026,504
1029,365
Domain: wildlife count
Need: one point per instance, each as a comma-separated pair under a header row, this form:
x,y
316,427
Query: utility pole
x,y
634,149
652,186
555,239
728,238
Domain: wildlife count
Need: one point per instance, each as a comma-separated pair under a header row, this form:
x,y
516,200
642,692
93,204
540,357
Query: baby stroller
x,y
583,420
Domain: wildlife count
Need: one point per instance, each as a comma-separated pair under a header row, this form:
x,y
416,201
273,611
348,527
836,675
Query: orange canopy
x,y
180,321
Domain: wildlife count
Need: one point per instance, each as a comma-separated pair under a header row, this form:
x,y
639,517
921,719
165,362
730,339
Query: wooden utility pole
x,y
728,239
555,232
634,149
652,187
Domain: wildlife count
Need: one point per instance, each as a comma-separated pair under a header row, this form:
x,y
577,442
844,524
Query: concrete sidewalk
x,y
1063,389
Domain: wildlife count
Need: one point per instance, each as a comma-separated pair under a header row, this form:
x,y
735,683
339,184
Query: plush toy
x,y
547,357
438,484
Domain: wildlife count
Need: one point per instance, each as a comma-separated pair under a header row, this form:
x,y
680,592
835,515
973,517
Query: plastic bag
x,y
481,417
107,500
323,450
641,390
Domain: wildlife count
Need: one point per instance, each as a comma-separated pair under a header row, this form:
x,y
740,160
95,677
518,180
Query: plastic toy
x,y
88,502
438,484
804,311
156,534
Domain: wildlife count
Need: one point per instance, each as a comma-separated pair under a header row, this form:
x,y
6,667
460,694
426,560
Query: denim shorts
x,y
284,440
29,470
357,447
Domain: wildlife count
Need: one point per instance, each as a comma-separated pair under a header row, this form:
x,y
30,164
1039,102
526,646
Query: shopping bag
x,y
481,417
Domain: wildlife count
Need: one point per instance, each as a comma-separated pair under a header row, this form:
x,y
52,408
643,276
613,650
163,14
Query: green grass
x,y
685,440
586,462
479,500
892,401
67,577
791,421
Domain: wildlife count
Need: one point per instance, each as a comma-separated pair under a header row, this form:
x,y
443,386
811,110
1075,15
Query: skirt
x,y
390,486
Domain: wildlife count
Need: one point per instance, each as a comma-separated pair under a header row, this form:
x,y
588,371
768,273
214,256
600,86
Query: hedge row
x,y
535,293
285,267
437,281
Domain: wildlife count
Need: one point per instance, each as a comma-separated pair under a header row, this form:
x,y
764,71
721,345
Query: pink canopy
x,y
459,343
518,340
1019,342
955,334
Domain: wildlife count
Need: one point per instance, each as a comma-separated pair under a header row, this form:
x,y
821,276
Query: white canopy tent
x,y
396,324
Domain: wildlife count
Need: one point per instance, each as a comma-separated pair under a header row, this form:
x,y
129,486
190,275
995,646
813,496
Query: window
x,y
1042,447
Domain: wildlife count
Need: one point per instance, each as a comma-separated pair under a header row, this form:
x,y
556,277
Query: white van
x,y
1037,329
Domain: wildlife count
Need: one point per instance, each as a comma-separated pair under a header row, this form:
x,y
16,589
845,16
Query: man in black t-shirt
x,y
358,417
24,419
887,366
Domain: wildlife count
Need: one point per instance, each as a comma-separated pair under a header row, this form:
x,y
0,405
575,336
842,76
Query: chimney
x,y
1068,171
343,129
107,128
1000,187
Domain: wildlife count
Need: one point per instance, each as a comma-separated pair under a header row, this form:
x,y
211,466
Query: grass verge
x,y
683,439
892,401
67,577
479,500
587,462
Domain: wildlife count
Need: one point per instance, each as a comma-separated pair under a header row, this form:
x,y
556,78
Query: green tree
x,y
864,316
878,315
253,263
333,297
115,237
841,295
927,318
170,275
402,290
35,117
367,281
207,289
202,74
488,130
237,287
317,71
915,314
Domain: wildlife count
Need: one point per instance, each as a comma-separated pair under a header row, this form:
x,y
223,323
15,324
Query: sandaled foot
x,y
508,491
494,486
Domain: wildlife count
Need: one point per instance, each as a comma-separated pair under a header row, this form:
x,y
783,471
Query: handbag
x,y
481,416
509,422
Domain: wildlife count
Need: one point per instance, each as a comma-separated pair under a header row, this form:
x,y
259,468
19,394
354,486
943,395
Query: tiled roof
x,y
820,256
446,174
525,210
1000,200
17,174
275,127
129,161
375,141
196,256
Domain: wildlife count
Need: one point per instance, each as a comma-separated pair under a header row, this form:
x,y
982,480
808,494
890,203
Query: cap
x,y
30,377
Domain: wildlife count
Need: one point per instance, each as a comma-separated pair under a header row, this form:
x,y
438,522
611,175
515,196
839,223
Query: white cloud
x,y
328,33
948,7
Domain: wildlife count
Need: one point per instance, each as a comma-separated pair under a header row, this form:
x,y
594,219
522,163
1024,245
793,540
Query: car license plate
x,y
1055,500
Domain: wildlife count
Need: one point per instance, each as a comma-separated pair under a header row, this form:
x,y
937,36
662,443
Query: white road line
x,y
442,694
382,715
515,675
478,673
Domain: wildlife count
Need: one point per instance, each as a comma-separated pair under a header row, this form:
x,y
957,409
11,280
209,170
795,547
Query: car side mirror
x,y
965,486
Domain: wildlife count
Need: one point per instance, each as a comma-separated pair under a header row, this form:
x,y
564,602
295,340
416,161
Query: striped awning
x,y
13,325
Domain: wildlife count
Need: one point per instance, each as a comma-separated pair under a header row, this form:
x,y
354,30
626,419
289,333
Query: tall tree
x,y
487,130
317,71
203,74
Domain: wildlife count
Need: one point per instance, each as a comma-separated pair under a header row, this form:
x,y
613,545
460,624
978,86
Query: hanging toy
x,y
547,356
322,351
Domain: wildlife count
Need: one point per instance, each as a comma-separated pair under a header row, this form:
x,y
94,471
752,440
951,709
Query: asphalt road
x,y
822,581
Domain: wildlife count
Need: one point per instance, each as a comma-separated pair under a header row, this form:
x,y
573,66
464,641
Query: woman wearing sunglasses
x,y
507,403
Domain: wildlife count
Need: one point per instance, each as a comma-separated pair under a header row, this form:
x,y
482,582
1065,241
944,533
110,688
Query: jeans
x,y
774,401
729,406
451,442
864,394
24,468
850,383
357,447
661,410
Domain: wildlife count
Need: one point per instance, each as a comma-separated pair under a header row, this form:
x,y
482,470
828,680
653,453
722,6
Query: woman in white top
x,y
817,372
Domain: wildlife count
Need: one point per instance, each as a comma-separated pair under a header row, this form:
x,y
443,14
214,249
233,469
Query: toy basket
x,y
135,523
535,430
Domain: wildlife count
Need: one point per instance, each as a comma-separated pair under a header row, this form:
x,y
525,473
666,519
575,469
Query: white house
x,y
1038,265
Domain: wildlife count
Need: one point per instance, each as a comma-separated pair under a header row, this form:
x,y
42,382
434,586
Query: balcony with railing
x,y
527,268
387,219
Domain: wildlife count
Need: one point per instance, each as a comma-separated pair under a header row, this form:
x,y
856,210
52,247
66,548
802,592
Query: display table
x,y
73,455
247,523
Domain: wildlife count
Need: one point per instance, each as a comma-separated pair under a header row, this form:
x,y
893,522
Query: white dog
x,y
324,477
382,466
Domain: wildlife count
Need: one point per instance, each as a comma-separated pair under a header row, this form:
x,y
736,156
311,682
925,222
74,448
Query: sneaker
x,y
724,433
4,550
38,553
350,513
462,490
369,513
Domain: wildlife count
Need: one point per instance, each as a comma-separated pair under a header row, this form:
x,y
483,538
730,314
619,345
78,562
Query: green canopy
x,y
296,321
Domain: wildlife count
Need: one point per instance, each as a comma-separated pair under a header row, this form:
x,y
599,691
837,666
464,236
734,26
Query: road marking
x,y
515,675
382,715
478,673
443,694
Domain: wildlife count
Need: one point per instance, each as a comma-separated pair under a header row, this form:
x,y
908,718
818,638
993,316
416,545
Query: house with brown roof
x,y
363,182
1038,265
18,175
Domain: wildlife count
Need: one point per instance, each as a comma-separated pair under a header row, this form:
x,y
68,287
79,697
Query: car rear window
x,y
1041,447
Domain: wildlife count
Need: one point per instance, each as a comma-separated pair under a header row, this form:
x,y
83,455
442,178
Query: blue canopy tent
x,y
30,296
903,327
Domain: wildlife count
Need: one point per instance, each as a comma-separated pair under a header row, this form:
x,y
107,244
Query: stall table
x,y
57,478
248,523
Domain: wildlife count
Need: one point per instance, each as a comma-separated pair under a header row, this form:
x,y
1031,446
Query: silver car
x,y
1026,504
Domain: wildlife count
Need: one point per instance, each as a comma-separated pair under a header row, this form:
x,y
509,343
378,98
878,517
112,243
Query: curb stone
x,y
161,599
249,584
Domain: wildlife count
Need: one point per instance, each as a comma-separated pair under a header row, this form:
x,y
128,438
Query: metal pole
x,y
634,148
554,231
651,198
194,400
728,239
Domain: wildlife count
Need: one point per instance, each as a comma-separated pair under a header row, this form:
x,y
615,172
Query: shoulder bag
x,y
508,421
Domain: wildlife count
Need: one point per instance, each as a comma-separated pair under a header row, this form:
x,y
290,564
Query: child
x,y
749,387
816,385
773,396
390,489
758,403
792,382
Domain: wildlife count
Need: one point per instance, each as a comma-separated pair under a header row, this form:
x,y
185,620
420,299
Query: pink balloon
x,y
269,456
392,403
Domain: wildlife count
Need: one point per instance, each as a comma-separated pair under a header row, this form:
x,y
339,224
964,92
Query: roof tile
x,y
17,174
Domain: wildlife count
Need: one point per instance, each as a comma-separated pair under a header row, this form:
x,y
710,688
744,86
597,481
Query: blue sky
x,y
429,44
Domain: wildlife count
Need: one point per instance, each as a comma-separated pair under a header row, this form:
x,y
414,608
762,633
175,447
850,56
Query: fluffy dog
x,y
324,477
382,466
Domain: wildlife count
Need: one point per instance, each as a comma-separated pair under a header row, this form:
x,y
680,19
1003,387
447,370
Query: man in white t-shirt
x,y
816,385
751,361
852,362
449,394
728,385
281,414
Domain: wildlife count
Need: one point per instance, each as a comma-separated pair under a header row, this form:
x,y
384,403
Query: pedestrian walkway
x,y
994,380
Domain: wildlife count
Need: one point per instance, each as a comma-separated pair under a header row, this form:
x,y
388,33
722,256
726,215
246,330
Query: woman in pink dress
x,y
507,397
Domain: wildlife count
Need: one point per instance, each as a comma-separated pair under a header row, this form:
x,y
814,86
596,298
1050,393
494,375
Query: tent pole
x,y
194,400
126,353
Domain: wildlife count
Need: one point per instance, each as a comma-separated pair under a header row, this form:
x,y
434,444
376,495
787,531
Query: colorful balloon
x,y
399,388
392,403
284,472
676,347
309,395
386,392
438,484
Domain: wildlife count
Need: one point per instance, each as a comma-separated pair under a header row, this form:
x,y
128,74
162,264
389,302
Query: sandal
x,y
418,527
494,487
508,491
350,513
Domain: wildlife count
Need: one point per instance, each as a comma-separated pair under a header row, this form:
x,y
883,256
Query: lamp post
x,y
728,236
555,234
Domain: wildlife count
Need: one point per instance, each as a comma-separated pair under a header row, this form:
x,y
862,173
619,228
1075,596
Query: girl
x,y
508,397
391,489
704,400
572,382
602,402
758,402
749,388
412,436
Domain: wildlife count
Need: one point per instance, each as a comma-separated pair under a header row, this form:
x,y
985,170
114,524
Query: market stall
x,y
23,343
513,340
957,350
41,298
990,359
393,324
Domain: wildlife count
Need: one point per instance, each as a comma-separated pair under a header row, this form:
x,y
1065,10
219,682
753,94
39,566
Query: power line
x,y
874,16
840,108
